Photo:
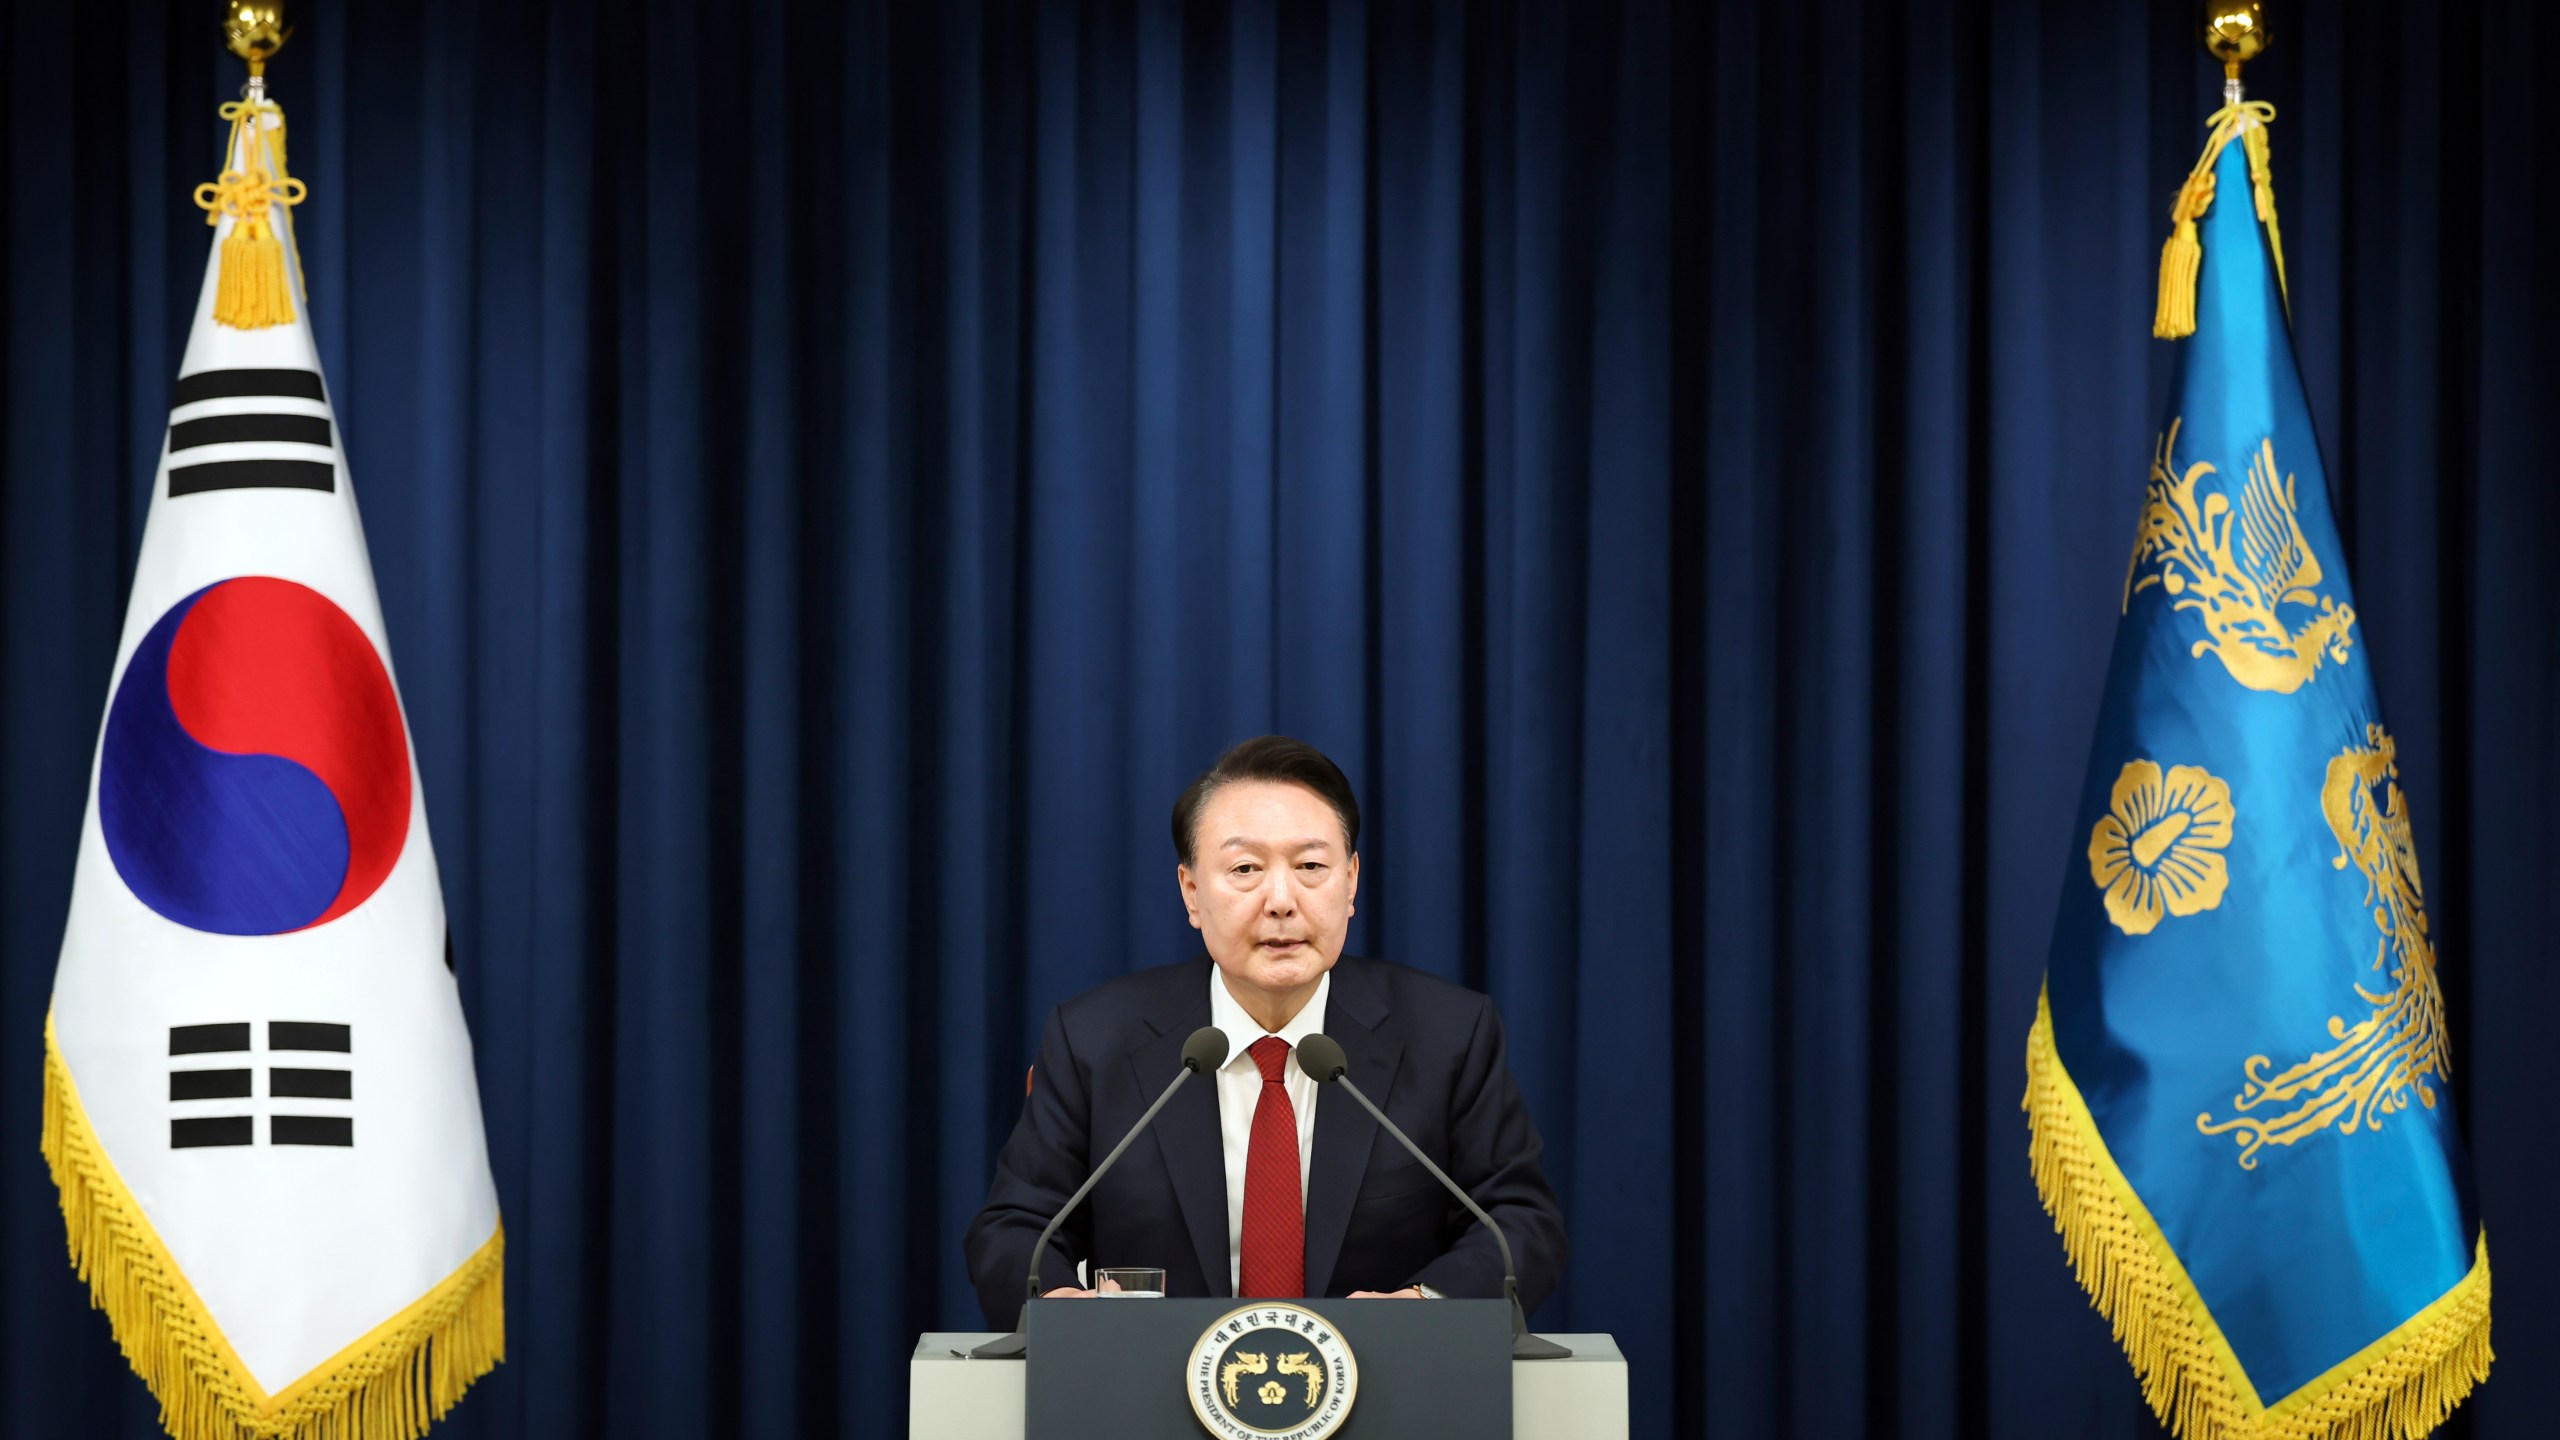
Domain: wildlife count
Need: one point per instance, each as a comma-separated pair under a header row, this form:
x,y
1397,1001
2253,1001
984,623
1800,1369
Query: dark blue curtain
x,y
834,472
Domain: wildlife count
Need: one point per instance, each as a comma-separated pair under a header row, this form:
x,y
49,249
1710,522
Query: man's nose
x,y
1280,900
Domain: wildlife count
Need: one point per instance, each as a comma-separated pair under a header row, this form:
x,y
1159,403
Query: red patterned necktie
x,y
1272,1252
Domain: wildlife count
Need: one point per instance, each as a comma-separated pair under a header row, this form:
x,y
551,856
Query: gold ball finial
x,y
2235,31
254,30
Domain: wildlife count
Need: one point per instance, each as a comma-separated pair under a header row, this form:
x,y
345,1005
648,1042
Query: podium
x,y
1128,1369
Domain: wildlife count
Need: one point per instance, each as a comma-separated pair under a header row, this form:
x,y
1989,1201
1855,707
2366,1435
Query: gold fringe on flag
x,y
2400,1387
2183,256
250,291
388,1385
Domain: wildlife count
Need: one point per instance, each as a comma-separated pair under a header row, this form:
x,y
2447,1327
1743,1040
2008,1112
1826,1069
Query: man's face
x,y
1270,885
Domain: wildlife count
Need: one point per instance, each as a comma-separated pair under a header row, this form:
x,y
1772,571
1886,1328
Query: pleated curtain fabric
x,y
834,471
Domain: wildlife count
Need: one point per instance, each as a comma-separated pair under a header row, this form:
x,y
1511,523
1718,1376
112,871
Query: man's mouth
x,y
1282,944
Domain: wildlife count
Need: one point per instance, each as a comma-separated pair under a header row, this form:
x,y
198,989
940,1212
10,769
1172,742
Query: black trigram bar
x,y
208,1039
309,1035
231,429
311,1084
197,1132
217,429
252,475
310,1130
208,1084
230,384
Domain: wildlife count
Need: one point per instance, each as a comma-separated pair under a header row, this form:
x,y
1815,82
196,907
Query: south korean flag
x,y
259,1103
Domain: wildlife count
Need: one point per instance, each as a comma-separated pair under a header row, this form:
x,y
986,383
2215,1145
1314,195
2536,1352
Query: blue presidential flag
x,y
2239,1083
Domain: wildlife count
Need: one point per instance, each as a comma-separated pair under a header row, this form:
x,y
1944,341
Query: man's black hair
x,y
1274,758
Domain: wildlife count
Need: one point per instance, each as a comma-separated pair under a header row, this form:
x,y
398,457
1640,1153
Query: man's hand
x,y
1410,1292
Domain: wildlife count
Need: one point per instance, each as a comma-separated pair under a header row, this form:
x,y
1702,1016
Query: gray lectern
x,y
952,1397
1126,1369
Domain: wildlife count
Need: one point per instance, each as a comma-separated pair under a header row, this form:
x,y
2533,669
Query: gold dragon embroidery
x,y
1305,1364
1243,1364
2400,1045
2234,568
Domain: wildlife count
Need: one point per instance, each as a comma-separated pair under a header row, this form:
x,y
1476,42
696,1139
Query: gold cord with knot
x,y
251,292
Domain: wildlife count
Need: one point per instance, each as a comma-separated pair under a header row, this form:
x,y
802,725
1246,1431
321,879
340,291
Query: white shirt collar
x,y
1242,1029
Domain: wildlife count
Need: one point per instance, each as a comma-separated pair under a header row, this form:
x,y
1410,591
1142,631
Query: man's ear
x,y
1190,889
1351,879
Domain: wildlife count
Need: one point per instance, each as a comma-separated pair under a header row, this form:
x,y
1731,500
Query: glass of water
x,y
1129,1284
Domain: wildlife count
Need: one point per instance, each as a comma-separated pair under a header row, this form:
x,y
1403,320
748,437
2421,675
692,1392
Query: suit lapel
x,y
1187,1134
1355,1016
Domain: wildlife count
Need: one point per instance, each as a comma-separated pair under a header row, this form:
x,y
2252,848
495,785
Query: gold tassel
x,y
389,1385
250,293
250,290
2401,1387
2182,259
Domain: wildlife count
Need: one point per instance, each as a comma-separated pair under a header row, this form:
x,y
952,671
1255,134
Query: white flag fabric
x,y
259,1100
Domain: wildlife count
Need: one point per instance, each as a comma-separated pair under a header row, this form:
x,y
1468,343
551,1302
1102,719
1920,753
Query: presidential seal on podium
x,y
1276,1371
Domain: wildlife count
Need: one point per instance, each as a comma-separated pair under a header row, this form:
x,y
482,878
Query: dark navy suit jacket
x,y
1428,1052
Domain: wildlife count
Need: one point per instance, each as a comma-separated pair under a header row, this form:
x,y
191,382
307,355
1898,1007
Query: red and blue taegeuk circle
x,y
255,775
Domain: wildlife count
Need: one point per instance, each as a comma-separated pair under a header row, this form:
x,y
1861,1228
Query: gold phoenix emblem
x,y
2235,567
2399,1045
2158,849
1304,1365
1282,1362
1244,1364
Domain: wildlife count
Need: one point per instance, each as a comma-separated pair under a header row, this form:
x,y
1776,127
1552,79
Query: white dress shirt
x,y
1240,1090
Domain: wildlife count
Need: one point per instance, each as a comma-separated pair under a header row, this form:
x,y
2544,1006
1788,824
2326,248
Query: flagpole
x,y
254,30
2234,31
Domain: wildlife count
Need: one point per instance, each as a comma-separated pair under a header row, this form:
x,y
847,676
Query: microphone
x,y
1205,1051
1322,1058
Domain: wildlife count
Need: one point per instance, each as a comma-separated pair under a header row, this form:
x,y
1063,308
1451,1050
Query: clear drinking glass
x,y
1129,1284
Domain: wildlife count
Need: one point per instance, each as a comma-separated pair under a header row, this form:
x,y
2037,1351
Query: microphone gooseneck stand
x,y
1206,1050
1322,1058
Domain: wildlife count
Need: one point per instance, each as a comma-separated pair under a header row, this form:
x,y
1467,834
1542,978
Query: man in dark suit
x,y
1256,1185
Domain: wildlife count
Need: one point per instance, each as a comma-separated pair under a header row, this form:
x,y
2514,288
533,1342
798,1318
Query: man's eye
x,y
1244,870
1310,866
